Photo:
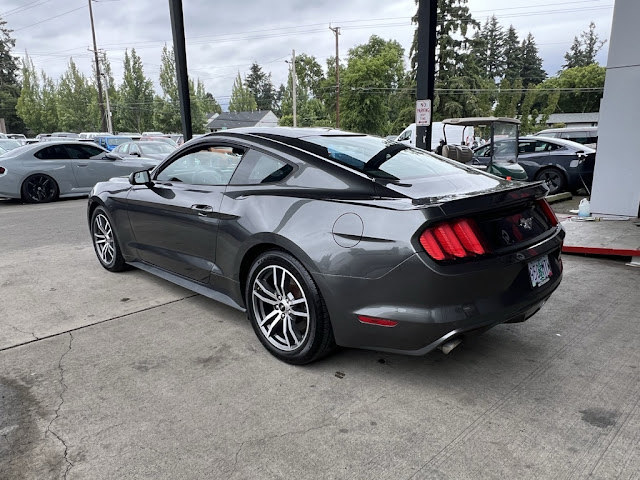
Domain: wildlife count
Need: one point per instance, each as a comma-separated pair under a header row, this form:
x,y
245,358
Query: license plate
x,y
540,271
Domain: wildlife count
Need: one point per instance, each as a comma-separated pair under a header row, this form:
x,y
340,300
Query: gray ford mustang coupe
x,y
332,238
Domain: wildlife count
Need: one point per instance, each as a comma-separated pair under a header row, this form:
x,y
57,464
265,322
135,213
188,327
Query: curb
x,y
558,197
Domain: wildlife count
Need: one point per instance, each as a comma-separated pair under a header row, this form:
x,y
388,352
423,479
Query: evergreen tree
x,y
166,107
74,98
135,97
242,99
211,104
531,71
29,105
512,55
9,85
259,83
493,59
583,51
49,119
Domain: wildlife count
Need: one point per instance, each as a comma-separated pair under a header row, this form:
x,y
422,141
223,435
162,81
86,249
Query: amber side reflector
x,y
381,322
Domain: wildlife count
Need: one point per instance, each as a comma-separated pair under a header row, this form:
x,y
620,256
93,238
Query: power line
x,y
47,19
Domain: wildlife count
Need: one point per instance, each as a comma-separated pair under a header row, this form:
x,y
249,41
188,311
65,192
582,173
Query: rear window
x,y
373,156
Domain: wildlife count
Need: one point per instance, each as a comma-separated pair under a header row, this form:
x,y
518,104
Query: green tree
x,y
166,107
242,99
583,51
491,58
259,83
374,70
512,55
509,97
135,96
211,104
108,87
531,72
29,105
49,96
310,108
74,97
9,85
579,88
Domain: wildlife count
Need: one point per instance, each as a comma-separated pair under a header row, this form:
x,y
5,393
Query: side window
x,y
206,165
541,146
132,149
528,147
257,168
406,135
481,152
91,151
54,152
580,137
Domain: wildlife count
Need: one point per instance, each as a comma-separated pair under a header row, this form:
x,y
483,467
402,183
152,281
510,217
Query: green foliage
x,y
73,96
9,85
583,51
29,105
489,46
531,70
590,77
259,83
512,55
135,97
242,99
373,71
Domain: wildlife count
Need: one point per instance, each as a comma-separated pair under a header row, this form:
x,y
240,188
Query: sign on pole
x,y
423,113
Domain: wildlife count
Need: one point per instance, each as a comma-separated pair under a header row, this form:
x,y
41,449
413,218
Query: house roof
x,y
237,119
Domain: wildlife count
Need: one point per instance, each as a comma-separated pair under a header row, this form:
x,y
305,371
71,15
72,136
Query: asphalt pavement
x,y
113,376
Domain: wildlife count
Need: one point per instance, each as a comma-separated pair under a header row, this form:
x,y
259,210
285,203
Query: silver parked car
x,y
44,172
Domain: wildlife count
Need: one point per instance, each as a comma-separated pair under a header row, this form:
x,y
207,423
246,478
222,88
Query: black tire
x,y
105,242
554,179
39,188
302,339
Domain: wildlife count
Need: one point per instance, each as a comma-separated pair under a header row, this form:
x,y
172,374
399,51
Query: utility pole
x,y
425,75
294,80
95,53
336,31
106,93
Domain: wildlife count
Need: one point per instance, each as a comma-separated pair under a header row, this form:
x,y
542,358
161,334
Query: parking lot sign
x,y
423,113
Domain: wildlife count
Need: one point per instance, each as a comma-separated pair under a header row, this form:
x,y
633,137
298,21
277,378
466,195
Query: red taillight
x,y
381,322
2,170
548,211
455,239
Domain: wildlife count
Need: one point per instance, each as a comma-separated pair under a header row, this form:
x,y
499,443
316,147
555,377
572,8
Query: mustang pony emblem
x,y
526,223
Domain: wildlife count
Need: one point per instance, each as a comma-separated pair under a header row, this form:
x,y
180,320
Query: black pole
x,y
179,50
425,75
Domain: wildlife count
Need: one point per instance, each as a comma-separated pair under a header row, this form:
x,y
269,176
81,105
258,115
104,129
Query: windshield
x,y
375,157
7,144
505,136
156,147
118,140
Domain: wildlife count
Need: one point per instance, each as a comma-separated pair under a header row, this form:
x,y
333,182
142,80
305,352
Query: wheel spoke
x,y
269,317
299,314
265,299
266,290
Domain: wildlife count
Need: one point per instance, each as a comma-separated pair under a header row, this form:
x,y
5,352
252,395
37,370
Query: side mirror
x,y
135,154
142,177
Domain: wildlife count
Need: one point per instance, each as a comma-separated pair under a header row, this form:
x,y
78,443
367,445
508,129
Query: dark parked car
x,y
562,164
585,135
143,149
326,237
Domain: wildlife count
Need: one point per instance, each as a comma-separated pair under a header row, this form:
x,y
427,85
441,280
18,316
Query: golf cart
x,y
502,132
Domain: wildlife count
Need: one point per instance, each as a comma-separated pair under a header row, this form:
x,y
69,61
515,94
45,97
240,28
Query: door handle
x,y
82,164
202,210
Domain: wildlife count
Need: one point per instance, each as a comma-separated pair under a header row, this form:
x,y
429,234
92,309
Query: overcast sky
x,y
226,37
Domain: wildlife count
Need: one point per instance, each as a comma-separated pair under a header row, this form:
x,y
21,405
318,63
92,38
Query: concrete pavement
x,y
171,385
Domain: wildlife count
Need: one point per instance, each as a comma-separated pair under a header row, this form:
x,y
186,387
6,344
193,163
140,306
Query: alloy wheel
x,y
103,239
281,308
40,188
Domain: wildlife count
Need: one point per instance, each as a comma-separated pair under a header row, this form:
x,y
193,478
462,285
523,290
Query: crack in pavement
x,y
37,339
26,333
57,412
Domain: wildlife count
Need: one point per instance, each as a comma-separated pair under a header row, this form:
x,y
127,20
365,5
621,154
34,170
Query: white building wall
x,y
616,182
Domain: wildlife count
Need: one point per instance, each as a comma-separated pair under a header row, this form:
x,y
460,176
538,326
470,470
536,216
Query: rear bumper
x,y
434,303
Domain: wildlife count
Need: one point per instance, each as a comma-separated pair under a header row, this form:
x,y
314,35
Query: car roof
x,y
476,121
568,129
288,132
560,141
